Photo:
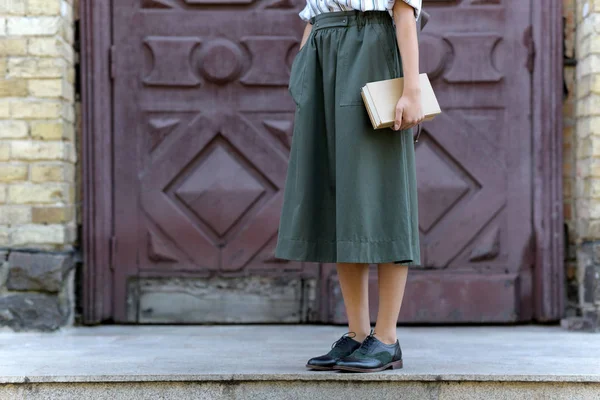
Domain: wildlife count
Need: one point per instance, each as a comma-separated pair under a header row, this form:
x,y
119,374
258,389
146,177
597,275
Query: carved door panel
x,y
203,122
474,169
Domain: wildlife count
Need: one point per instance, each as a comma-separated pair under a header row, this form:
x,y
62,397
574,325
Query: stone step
x,y
251,387
267,362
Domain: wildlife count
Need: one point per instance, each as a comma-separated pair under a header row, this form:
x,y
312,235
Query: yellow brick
x,y
51,215
594,168
589,65
594,209
13,172
4,151
584,87
583,171
52,172
69,132
595,44
595,83
594,104
14,7
13,87
66,31
27,235
594,126
13,129
3,67
4,109
33,26
583,48
12,215
46,47
35,109
68,91
71,75
595,188
28,193
13,47
56,88
588,105
45,87
30,150
48,130
43,7
68,112
19,67
587,147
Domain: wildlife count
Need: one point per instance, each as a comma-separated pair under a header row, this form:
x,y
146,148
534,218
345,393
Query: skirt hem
x,y
345,252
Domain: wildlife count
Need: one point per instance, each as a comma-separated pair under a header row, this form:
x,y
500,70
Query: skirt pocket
x,y
297,71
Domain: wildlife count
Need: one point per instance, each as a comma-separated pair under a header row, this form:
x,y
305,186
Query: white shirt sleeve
x,y
307,13
416,4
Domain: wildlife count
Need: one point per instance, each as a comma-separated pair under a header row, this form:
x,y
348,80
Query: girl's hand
x,y
409,112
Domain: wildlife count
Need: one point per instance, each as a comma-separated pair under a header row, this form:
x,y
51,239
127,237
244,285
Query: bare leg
x,y
354,281
392,280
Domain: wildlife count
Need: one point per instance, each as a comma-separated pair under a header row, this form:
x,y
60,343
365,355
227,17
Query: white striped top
x,y
314,7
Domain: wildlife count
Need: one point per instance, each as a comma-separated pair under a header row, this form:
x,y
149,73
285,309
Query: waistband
x,y
349,18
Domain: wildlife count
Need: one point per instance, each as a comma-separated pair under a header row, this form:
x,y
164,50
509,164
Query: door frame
x,y
548,222
545,38
96,159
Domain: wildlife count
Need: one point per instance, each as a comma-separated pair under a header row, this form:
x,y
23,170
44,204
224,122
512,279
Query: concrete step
x,y
267,362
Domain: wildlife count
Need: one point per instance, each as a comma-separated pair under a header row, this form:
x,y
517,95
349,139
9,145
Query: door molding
x,y
97,142
547,91
97,205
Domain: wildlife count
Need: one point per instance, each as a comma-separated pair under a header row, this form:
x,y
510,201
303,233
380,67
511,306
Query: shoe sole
x,y
392,365
317,368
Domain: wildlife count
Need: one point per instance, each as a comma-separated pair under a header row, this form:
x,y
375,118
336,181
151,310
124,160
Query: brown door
x,y
203,122
202,132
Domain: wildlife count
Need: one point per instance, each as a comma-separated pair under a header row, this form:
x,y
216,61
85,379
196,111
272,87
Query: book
x,y
381,97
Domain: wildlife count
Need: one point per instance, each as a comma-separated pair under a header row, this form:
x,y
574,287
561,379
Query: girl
x,y
351,193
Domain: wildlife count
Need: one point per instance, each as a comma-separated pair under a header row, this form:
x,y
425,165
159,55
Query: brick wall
x,y
582,163
37,160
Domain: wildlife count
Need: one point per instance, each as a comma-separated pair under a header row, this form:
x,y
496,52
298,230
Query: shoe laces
x,y
345,336
368,342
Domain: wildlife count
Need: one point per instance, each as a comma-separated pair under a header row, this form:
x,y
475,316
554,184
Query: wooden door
x,y
203,122
202,125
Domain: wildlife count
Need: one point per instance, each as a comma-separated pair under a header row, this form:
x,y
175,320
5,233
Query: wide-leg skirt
x,y
351,191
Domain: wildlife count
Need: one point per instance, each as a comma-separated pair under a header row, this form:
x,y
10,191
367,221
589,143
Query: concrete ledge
x,y
387,376
298,390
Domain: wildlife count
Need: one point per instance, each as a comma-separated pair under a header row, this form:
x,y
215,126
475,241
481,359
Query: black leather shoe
x,y
373,355
340,348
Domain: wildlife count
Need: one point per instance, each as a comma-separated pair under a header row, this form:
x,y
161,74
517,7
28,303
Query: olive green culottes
x,y
351,192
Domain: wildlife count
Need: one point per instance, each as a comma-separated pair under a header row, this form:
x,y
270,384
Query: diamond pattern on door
x,y
219,190
210,197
